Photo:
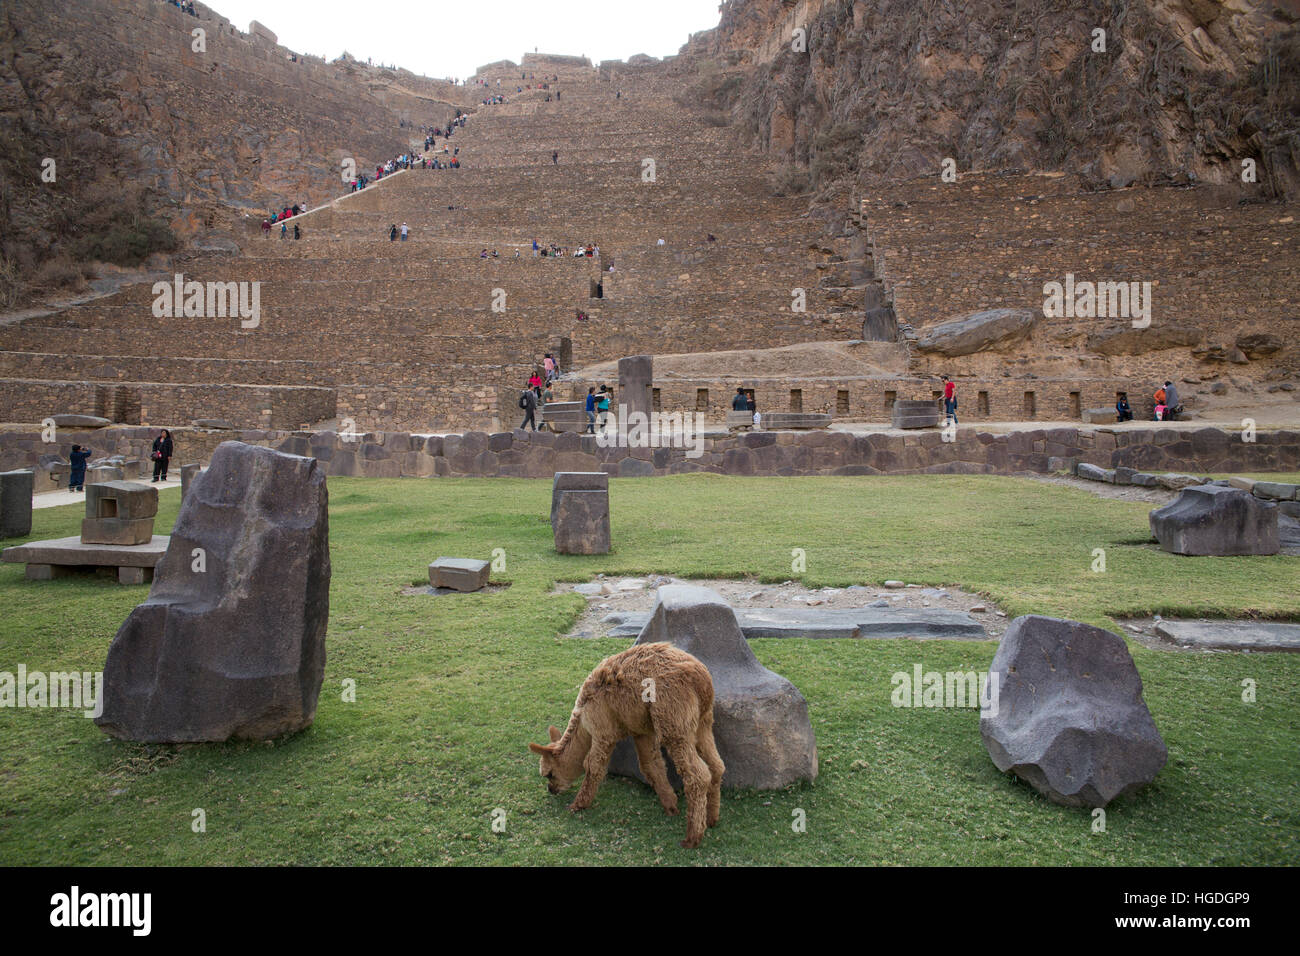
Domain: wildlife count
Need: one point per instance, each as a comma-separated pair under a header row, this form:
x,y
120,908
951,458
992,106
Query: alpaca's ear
x,y
538,749
554,732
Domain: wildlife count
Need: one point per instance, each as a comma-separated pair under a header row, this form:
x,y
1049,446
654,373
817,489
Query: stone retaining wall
x,y
542,454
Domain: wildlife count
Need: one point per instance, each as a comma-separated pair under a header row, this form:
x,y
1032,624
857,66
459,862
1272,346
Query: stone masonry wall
x,y
540,454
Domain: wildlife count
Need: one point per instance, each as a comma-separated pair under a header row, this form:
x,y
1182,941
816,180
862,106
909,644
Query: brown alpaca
x,y
659,696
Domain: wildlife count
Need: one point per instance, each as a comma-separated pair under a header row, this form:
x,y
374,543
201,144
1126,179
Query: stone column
x,y
16,488
635,373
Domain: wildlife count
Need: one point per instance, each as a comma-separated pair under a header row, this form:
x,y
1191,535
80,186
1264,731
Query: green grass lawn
x,y
451,689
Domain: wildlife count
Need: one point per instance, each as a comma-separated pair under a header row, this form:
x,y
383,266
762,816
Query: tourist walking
x,y
77,474
404,232
739,401
528,402
949,399
555,158
535,383
549,364
161,454
591,409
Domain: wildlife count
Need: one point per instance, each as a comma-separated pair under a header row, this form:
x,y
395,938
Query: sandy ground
x,y
638,594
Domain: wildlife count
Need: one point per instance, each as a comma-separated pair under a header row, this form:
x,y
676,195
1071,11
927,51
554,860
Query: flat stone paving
x,y
819,623
1232,635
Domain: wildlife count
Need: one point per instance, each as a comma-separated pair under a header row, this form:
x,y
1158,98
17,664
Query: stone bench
x,y
59,557
739,419
795,420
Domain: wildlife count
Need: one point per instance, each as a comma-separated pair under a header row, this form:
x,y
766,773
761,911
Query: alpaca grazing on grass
x,y
659,696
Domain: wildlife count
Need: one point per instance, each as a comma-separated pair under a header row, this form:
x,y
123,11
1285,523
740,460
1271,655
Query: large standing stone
x,y
580,512
16,489
760,720
231,642
1214,520
635,374
188,474
1068,715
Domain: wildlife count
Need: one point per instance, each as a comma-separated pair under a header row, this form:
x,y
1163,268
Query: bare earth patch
x,y
613,594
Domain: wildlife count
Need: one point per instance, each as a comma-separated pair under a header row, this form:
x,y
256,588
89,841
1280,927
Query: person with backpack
x,y
528,402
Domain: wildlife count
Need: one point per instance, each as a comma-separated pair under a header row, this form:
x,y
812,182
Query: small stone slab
x,y
1232,635
81,421
834,623
123,531
773,421
1093,473
1275,490
216,424
459,574
1177,482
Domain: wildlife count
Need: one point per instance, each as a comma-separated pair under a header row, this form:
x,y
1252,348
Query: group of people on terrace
x,y
1165,404
539,392
590,251
186,7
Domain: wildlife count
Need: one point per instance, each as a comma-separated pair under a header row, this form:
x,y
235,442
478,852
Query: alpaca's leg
x,y
708,750
652,766
695,774
595,765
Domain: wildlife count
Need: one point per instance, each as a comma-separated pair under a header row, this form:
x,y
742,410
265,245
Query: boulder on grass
x,y
1068,716
1214,520
580,512
231,642
760,720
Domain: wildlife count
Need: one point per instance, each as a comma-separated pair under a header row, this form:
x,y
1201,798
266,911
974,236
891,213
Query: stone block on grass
x,y
459,574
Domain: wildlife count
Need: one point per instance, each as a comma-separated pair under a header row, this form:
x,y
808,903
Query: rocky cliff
x,y
128,126
1172,90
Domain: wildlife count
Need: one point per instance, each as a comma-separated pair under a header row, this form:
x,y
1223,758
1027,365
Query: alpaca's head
x,y
558,779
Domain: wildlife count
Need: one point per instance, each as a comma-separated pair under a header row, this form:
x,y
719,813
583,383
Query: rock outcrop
x,y
991,329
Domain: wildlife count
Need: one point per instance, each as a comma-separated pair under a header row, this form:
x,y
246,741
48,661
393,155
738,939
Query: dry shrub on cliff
x,y
791,180
55,274
835,152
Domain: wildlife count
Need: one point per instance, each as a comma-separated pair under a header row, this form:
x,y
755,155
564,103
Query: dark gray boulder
x,y
16,489
760,720
1068,716
978,331
234,645
1214,520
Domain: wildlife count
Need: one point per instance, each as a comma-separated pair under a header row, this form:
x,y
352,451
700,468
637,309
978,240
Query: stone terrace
x,y
405,335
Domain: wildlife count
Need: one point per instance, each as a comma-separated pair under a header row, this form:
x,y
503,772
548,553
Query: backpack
x,y
523,400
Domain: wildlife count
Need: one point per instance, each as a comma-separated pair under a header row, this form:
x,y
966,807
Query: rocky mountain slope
x,y
1175,91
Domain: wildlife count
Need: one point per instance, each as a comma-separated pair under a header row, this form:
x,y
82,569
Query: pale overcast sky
x,y
455,37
